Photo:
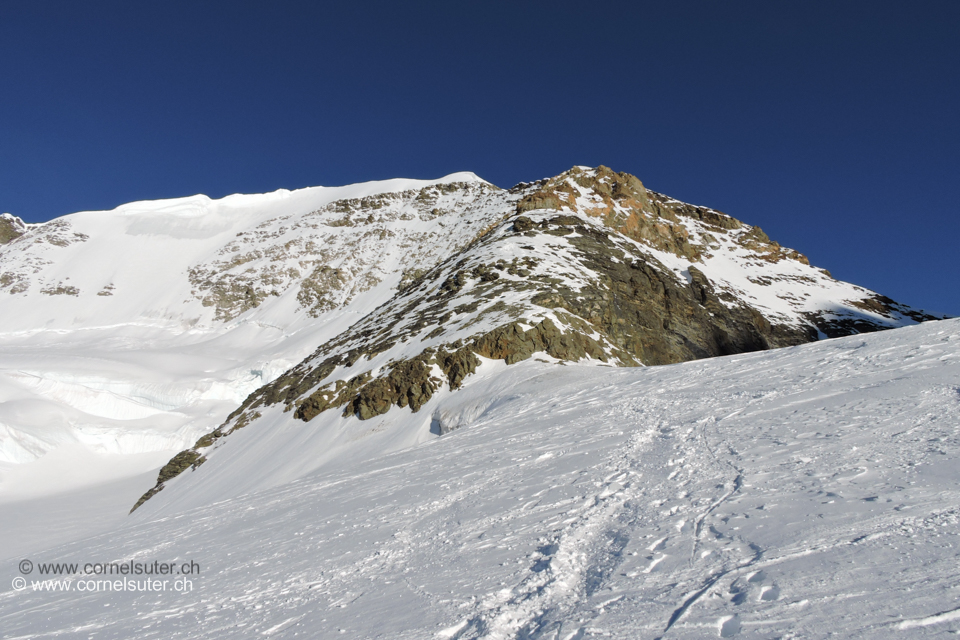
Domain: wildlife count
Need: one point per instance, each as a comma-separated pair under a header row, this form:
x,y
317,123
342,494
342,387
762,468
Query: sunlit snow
x,y
803,492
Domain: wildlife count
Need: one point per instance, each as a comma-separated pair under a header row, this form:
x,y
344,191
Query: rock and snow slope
x,y
567,497
804,492
589,265
139,329
136,331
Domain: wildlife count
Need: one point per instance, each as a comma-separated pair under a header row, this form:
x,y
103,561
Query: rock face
x,y
33,241
11,227
589,265
330,256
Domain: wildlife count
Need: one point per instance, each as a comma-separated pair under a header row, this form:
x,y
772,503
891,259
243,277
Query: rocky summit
x,y
588,266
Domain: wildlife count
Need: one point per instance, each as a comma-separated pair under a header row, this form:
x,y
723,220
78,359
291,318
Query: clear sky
x,y
835,126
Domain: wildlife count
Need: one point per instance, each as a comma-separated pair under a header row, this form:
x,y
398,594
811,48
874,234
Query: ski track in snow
x,y
800,493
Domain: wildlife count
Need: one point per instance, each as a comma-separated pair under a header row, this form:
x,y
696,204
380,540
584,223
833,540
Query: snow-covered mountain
x,y
416,409
140,329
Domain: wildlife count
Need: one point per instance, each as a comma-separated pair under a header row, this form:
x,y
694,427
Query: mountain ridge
x,y
586,265
102,326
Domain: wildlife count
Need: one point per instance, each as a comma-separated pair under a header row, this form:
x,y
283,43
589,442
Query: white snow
x,y
805,492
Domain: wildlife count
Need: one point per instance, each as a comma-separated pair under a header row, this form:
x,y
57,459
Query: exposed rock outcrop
x,y
11,228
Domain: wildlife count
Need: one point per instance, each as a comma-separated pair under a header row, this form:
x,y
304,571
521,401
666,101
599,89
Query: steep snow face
x,y
803,492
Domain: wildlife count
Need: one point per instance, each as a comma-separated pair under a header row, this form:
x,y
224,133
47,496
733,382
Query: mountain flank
x,y
588,266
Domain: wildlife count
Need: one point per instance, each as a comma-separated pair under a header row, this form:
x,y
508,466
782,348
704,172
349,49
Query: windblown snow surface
x,y
804,492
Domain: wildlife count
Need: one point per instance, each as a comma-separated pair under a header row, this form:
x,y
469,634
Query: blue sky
x,y
835,126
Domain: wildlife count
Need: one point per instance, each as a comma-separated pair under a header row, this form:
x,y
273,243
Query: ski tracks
x,y
568,588
575,561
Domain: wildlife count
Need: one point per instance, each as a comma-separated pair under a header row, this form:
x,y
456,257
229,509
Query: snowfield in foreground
x,y
798,493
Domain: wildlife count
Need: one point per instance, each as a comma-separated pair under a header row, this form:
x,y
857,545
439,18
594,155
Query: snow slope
x,y
804,492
